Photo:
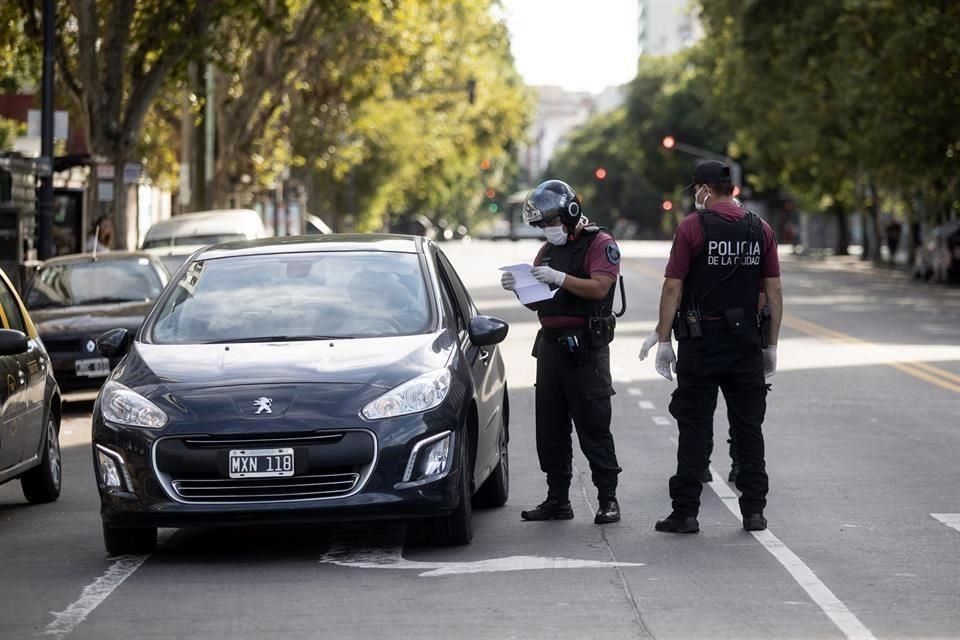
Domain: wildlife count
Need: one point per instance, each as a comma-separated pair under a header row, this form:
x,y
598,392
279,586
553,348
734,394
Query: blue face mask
x,y
555,235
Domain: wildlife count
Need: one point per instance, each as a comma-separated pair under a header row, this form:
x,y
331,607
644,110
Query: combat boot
x,y
550,509
754,522
678,524
609,511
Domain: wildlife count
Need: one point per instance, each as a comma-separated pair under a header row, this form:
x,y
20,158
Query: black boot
x,y
754,522
609,511
550,509
678,524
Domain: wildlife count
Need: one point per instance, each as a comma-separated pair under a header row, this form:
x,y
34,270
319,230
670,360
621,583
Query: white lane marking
x,y
661,420
838,612
952,520
646,404
95,593
390,556
633,391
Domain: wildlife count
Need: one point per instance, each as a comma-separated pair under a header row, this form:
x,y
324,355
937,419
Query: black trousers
x,y
733,365
566,391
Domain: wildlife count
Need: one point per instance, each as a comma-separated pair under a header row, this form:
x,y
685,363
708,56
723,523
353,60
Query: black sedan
x,y
74,299
341,377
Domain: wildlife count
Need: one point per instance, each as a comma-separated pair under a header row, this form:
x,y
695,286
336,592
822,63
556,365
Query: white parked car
x,y
175,239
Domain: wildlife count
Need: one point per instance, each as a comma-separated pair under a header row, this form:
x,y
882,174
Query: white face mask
x,y
555,235
701,204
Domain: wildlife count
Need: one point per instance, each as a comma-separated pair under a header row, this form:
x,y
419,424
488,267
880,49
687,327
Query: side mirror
x,y
114,343
12,342
487,330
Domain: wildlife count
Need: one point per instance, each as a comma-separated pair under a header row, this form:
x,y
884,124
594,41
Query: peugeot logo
x,y
91,346
262,405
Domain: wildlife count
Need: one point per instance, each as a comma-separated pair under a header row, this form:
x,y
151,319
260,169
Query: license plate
x,y
93,367
261,463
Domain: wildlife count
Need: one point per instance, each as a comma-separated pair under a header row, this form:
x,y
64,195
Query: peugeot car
x,y
73,299
29,404
319,378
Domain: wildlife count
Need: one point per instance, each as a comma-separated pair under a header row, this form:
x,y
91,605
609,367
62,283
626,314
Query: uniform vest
x,y
570,258
726,273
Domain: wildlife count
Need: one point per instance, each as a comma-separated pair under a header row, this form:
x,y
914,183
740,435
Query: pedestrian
x,y
581,262
723,256
101,235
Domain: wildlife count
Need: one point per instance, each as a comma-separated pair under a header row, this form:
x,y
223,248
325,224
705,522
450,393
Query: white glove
x,y
547,275
651,340
508,281
769,361
666,360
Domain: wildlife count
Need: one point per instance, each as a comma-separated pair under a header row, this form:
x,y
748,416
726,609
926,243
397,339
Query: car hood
x,y
92,319
380,362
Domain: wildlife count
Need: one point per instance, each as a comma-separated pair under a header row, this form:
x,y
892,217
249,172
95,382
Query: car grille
x,y
329,464
327,485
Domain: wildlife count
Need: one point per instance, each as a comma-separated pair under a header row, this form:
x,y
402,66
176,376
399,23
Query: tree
x,y
114,56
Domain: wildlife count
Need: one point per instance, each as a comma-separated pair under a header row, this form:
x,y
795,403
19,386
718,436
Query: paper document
x,y
528,288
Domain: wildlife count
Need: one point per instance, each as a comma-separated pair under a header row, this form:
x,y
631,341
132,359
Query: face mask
x,y
701,204
555,235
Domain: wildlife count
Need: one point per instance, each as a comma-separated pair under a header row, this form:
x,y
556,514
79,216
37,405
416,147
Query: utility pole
x,y
209,137
45,199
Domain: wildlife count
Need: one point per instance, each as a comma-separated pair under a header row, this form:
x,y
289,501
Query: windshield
x,y
103,282
304,296
212,238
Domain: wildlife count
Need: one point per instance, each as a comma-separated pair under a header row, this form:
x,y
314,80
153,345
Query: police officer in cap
x,y
582,263
722,257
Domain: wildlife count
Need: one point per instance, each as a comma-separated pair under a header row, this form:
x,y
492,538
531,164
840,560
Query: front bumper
x,y
149,467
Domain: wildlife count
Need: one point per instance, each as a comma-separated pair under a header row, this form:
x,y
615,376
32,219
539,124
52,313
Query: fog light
x,y
110,469
429,458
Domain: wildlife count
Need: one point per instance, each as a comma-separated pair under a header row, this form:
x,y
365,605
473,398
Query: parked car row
x,y
321,378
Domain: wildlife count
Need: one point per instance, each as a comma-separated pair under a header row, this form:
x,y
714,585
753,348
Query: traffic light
x,y
491,194
600,173
669,142
493,207
485,164
666,205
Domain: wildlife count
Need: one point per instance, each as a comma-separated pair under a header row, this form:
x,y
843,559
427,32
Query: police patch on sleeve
x,y
613,254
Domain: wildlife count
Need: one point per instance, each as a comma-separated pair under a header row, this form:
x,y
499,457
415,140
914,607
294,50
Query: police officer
x,y
722,257
582,263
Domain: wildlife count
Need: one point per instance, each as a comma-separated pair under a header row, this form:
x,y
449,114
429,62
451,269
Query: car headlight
x,y
122,405
421,393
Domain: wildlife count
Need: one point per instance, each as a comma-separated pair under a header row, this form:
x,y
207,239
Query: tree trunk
x,y
843,231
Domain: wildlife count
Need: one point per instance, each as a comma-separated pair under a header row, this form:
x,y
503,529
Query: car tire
x,y
495,490
121,541
42,483
456,528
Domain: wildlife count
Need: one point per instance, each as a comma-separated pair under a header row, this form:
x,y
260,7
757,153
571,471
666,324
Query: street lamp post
x,y
45,199
736,174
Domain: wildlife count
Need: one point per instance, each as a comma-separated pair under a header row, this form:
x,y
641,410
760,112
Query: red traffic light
x,y
491,194
601,173
484,164
667,205
669,142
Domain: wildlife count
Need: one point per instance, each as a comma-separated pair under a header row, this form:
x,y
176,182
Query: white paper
x,y
528,288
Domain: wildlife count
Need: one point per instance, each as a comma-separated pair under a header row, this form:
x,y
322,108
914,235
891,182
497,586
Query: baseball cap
x,y
710,172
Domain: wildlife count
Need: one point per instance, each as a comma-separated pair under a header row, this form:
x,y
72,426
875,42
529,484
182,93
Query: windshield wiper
x,y
279,339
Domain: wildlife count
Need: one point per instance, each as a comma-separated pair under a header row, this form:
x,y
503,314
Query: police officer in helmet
x,y
723,256
582,263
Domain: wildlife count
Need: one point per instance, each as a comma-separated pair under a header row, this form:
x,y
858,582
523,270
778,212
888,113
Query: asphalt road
x,y
863,441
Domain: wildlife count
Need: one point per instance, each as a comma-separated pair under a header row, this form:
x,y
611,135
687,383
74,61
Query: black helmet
x,y
551,199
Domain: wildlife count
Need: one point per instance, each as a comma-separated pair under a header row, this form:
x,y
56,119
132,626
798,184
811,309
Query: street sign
x,y
61,124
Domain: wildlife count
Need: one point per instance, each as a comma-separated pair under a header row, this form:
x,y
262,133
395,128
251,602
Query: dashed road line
x,y
646,404
95,593
952,520
633,391
661,421
838,612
